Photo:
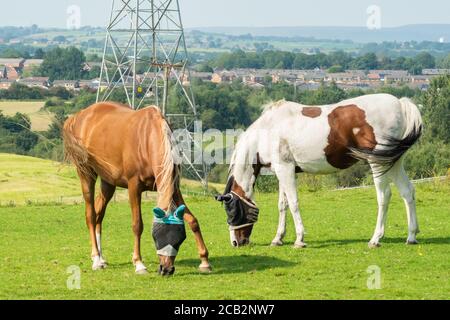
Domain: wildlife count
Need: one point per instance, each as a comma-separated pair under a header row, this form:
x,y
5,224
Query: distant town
x,y
13,70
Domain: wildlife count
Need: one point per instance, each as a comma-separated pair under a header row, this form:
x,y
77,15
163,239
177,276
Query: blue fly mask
x,y
168,231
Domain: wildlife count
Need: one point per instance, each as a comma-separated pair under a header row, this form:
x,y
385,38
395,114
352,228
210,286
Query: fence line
x,y
416,181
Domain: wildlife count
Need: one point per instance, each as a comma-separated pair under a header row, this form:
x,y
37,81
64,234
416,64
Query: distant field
x,y
28,180
40,120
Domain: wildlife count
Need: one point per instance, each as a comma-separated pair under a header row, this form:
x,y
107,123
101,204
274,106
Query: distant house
x,y
12,68
68,84
349,77
12,73
224,76
88,84
35,82
5,84
253,78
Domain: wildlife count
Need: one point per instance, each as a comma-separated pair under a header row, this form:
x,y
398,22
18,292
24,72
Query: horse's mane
x,y
170,173
272,105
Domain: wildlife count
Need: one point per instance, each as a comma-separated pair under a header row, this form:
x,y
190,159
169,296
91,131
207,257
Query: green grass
x,y
40,120
39,243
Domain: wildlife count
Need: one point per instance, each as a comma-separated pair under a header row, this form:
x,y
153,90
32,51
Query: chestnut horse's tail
x,y
74,151
169,177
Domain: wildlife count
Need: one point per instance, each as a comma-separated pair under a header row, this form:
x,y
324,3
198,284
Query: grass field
x,y
39,243
40,120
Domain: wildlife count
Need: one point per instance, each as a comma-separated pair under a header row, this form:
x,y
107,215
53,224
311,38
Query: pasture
x,y
40,120
40,242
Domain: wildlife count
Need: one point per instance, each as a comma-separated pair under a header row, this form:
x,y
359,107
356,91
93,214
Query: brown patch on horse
x,y
348,128
311,112
258,166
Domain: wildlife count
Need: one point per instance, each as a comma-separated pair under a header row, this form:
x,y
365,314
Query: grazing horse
x,y
290,138
129,149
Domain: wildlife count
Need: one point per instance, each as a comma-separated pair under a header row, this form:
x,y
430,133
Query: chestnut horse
x,y
290,138
129,149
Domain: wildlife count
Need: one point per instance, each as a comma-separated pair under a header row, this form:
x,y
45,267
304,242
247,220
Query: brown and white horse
x,y
133,150
290,138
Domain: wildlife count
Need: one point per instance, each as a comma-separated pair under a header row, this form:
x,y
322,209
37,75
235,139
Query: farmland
x,y
40,120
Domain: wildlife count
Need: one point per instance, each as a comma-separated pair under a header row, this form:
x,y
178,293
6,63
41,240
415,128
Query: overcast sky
x,y
253,13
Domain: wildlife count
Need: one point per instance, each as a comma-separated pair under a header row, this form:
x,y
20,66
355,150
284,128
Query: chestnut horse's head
x,y
168,233
242,213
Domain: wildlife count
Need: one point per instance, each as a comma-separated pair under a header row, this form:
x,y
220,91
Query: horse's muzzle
x,y
166,271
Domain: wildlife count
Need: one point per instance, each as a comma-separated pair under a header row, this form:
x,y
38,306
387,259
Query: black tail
x,y
391,151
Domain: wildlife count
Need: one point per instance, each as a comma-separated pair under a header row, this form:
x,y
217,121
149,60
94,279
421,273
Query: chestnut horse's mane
x,y
170,173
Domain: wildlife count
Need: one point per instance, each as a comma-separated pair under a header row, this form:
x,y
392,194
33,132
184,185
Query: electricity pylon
x,y
144,57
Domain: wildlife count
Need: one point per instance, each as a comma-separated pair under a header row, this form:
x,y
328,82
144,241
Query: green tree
x,y
64,64
436,109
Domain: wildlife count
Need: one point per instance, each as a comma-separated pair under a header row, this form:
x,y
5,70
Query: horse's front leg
x,y
195,227
135,193
282,207
201,246
286,176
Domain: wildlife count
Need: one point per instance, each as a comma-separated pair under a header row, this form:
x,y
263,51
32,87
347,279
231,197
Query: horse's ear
x,y
229,185
179,213
159,213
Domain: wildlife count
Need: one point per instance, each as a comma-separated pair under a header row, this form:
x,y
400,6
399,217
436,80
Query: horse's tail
x,y
392,149
74,151
169,177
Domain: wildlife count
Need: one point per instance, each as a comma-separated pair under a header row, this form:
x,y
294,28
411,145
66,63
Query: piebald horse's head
x,y
242,213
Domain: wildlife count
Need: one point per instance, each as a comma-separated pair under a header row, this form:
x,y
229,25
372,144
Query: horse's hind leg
x,y
407,192
135,195
88,189
383,198
286,176
282,208
106,193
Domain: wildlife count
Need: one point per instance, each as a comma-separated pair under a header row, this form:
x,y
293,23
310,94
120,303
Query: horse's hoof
x,y
278,243
374,245
300,245
141,272
98,264
140,268
205,269
412,242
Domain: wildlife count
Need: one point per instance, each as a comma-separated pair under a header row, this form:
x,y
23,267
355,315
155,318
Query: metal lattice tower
x,y
145,58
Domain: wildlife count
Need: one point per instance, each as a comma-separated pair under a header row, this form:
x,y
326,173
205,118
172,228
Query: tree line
x,y
338,61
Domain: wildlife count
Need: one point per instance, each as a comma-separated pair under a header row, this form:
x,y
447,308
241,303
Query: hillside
x,y
28,180
40,120
419,32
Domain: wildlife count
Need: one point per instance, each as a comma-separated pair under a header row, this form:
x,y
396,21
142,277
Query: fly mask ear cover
x,y
240,211
168,231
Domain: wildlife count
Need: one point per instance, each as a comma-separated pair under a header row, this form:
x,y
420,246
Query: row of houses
x,y
44,83
348,79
